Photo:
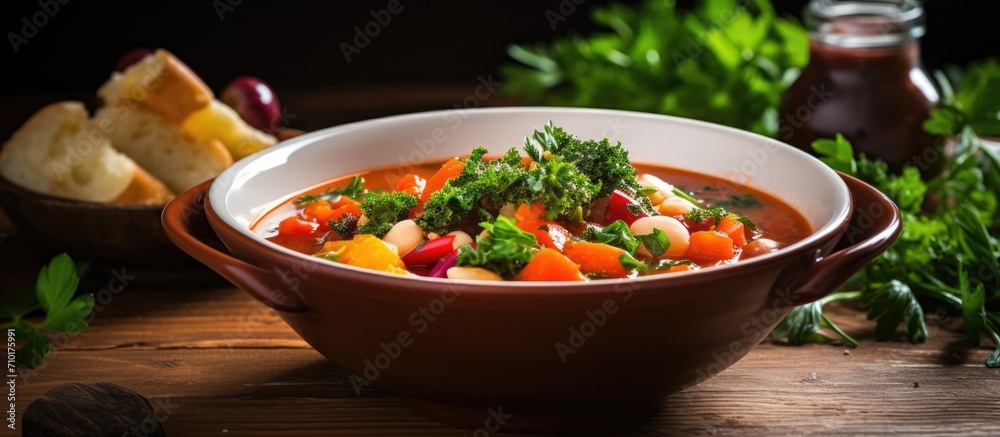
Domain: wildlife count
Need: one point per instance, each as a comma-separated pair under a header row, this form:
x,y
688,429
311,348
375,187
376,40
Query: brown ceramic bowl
x,y
552,356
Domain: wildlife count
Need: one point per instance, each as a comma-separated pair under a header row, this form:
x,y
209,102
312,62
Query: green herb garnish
x,y
606,165
383,210
57,283
656,242
354,190
616,234
738,201
505,251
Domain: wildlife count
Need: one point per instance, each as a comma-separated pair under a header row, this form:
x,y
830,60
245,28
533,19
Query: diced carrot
x,y
342,201
548,233
449,171
293,226
710,246
597,258
318,211
350,208
734,229
550,265
411,184
526,161
680,268
529,212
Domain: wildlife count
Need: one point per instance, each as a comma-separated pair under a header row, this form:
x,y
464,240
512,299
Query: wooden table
x,y
214,362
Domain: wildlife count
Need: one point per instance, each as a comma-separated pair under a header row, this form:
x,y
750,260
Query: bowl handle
x,y
873,227
186,225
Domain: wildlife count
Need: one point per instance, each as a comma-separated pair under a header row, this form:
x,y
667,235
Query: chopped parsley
x,y
738,201
616,234
656,242
354,189
505,251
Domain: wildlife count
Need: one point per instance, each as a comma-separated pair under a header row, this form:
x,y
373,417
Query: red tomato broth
x,y
774,219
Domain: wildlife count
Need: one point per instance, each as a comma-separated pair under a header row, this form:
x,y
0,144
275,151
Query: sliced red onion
x,y
440,269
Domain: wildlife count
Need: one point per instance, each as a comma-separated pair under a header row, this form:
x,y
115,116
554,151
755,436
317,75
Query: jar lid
x,y
865,23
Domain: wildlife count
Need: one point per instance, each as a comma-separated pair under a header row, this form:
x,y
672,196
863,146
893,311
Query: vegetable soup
x,y
570,210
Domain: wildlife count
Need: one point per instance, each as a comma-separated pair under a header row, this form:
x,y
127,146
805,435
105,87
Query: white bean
x,y
405,235
675,206
675,231
473,273
662,187
461,239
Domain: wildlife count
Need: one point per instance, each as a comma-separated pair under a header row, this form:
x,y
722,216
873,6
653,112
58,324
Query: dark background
x,y
295,45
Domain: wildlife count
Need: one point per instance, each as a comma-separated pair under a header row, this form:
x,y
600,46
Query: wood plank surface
x,y
177,348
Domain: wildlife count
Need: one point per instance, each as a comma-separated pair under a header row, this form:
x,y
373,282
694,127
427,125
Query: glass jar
x,y
864,80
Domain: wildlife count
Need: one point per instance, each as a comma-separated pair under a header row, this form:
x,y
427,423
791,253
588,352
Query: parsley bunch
x,y
726,61
945,256
53,294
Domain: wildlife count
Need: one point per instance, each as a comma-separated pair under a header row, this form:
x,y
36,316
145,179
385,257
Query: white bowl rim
x,y
222,185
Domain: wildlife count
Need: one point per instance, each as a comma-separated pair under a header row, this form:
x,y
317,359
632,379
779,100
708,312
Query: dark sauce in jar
x,y
864,80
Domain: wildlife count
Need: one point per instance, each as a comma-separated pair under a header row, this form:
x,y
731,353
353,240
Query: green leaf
x,y
837,153
890,305
616,234
354,189
802,324
655,242
56,283
630,263
505,251
70,318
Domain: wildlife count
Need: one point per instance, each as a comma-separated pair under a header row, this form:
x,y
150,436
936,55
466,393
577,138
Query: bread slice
x,y
219,121
159,83
58,152
163,148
